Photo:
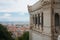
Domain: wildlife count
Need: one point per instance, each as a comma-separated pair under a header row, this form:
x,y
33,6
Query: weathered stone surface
x,y
37,36
47,29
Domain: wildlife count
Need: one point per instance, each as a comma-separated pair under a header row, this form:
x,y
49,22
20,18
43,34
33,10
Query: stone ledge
x,y
43,33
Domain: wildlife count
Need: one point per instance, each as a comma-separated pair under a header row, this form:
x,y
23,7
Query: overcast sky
x,y
15,10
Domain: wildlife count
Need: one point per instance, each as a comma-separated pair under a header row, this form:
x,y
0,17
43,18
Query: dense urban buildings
x,y
45,20
16,29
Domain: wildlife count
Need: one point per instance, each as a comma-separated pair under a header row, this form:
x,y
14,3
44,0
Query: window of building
x,y
38,19
56,19
57,23
42,19
35,19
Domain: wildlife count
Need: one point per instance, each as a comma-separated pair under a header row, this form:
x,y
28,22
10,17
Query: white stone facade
x,y
47,12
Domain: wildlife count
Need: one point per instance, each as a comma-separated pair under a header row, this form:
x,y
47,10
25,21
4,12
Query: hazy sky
x,y
15,10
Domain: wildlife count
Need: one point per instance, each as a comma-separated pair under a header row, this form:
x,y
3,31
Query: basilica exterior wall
x,y
46,30
47,21
46,33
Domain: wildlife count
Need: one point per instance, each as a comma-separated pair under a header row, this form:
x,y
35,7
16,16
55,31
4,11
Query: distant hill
x,y
15,22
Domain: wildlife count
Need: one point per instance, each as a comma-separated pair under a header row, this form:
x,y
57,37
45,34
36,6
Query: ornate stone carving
x,y
29,8
45,3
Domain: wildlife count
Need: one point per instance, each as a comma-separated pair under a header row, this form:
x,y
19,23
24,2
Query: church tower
x,y
45,20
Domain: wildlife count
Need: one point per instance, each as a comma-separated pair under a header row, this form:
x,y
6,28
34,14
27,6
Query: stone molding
x,y
42,33
44,3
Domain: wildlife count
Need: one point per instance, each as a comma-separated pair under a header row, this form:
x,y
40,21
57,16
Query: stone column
x,y
52,21
31,21
34,21
40,22
37,22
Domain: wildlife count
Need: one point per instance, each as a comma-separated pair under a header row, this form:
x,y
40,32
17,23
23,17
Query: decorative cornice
x,y
42,5
45,3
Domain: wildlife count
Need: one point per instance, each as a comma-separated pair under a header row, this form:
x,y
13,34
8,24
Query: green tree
x,y
25,36
4,34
